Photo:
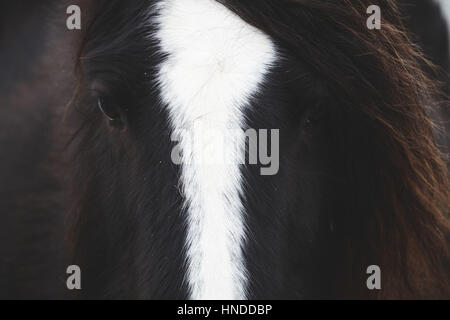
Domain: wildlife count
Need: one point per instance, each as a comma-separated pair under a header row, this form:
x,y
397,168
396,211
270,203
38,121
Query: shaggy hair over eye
x,y
397,192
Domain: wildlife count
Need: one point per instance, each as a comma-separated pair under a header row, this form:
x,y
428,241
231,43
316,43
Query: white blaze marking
x,y
215,64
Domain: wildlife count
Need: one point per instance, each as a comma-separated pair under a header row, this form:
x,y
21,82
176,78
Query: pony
x,y
361,178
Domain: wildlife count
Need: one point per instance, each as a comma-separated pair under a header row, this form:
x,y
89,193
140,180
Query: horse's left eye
x,y
112,112
314,117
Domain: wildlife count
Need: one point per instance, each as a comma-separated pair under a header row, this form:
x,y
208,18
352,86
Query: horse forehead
x,y
205,26
211,48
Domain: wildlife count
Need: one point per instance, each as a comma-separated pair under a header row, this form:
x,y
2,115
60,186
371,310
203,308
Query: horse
x,y
349,113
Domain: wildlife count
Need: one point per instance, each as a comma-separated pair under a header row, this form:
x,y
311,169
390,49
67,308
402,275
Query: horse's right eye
x,y
112,112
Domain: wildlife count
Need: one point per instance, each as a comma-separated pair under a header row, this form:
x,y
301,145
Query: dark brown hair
x,y
397,190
